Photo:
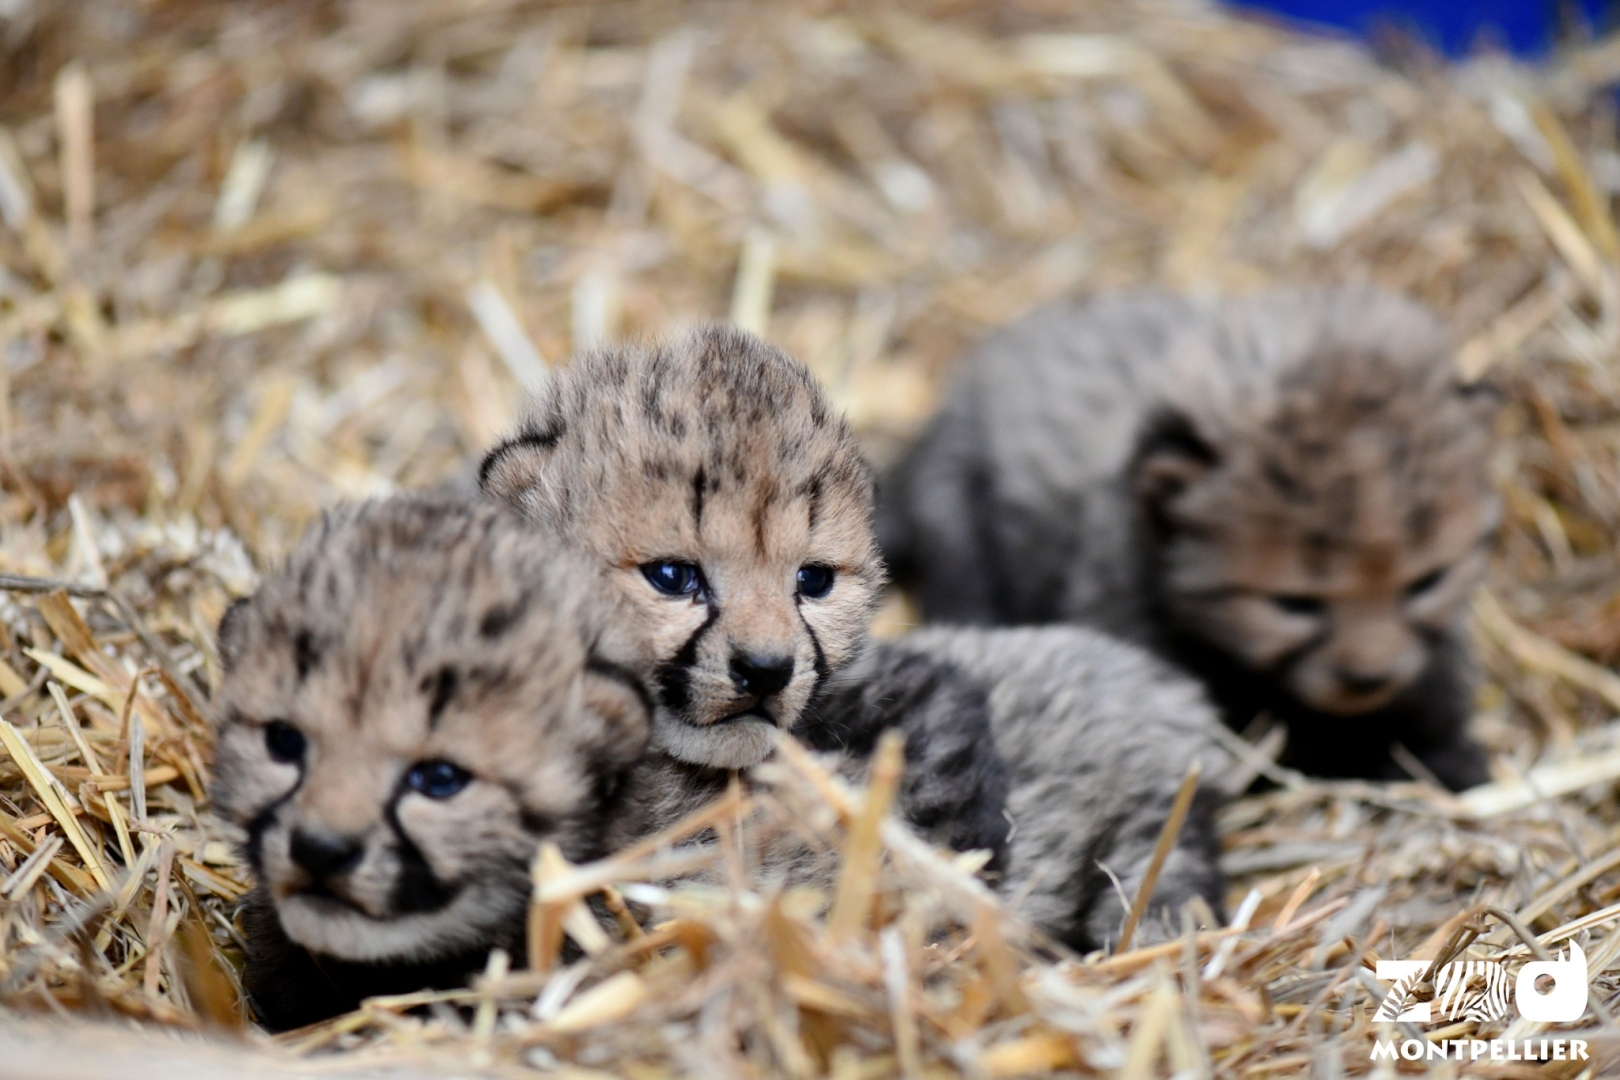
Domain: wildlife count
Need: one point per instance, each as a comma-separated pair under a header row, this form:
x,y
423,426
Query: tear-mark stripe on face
x,y
820,661
1421,521
674,675
416,887
623,676
1432,636
533,821
536,822
698,482
253,848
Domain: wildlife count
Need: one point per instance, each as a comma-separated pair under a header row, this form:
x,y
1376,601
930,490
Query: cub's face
x,y
739,618
1332,550
1343,627
409,708
729,513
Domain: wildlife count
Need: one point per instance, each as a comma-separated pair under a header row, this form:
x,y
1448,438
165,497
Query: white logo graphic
x,y
1566,1001
1478,990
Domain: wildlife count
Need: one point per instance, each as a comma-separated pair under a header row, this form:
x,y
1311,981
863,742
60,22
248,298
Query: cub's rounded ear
x,y
625,707
515,465
1170,456
232,629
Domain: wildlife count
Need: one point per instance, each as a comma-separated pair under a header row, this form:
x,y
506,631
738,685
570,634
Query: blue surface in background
x,y
1528,28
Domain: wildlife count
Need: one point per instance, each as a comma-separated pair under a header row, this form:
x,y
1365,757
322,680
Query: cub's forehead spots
x,y
718,391
811,491
501,617
306,653
703,440
439,687
1392,474
449,606
700,485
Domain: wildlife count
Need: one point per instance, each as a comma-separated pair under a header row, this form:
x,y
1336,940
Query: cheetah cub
x,y
729,507
410,706
731,514
1285,494
729,510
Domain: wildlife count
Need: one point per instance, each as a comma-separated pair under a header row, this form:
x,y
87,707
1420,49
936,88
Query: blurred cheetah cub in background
x,y
1286,494
410,706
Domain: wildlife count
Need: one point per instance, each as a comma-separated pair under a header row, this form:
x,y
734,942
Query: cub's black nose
x,y
760,673
322,854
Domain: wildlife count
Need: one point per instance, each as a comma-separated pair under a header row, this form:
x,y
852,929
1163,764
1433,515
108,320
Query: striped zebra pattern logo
x,y
1481,990
1472,990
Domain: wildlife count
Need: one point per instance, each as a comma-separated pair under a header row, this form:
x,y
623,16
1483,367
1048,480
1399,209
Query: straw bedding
x,y
256,257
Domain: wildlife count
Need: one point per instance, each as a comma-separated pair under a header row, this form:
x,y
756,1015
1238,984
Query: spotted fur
x,y
427,630
1286,494
722,453
956,783
411,634
719,452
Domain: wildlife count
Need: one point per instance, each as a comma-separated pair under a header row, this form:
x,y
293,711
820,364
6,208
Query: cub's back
x,y
1069,703
1097,736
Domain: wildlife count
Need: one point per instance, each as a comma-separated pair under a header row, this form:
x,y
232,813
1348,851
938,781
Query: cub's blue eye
x,y
285,742
815,581
673,578
1299,605
437,779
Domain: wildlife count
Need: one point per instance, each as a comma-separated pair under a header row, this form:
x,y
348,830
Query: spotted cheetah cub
x,y
410,706
728,505
729,510
1285,494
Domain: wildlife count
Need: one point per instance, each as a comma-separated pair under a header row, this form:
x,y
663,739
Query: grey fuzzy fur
x,y
1097,736
1313,418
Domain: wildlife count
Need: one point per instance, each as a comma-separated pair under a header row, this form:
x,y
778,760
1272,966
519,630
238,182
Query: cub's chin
x,y
1321,694
335,929
740,742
